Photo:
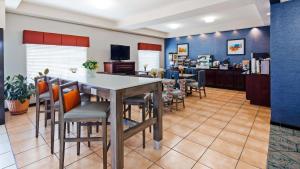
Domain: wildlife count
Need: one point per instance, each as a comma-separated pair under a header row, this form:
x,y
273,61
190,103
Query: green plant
x,y
17,88
46,71
90,65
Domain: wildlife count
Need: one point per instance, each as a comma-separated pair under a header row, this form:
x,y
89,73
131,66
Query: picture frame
x,y
183,49
236,46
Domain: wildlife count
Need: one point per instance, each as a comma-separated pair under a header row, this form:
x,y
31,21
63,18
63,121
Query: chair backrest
x,y
201,78
190,71
41,85
53,85
182,86
169,87
71,99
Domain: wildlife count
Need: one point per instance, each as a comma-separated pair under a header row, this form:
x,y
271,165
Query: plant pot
x,y
16,107
91,73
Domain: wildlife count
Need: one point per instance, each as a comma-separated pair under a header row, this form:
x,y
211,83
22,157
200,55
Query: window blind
x,y
151,58
58,59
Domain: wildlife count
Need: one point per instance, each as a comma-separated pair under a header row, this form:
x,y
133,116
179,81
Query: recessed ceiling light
x,y
174,25
102,4
209,19
269,13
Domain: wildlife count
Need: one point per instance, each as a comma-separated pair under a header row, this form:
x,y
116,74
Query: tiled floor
x,y
7,159
221,131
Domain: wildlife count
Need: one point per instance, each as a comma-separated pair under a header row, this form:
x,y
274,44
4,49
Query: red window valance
x,y
148,46
35,37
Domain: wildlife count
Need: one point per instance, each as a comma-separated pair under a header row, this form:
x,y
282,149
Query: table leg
x,y
157,112
117,140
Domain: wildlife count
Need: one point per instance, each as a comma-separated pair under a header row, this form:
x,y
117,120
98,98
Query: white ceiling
x,y
151,17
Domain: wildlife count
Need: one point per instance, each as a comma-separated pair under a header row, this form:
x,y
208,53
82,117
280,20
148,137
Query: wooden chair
x,y
179,94
42,96
72,110
200,84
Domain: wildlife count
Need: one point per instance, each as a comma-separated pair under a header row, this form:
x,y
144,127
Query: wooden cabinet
x,y
127,68
227,79
258,89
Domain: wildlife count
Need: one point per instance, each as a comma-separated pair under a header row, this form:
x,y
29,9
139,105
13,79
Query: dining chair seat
x,y
193,84
44,96
137,100
88,112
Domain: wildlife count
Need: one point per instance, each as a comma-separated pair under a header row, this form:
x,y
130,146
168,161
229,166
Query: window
x,y
151,58
58,59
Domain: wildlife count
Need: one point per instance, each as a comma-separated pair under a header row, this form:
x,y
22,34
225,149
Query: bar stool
x,y
42,95
143,101
72,110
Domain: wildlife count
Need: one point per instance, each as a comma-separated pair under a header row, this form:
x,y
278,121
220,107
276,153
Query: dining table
x,y
186,76
118,88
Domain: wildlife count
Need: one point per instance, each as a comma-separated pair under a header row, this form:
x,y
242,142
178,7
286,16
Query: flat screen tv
x,y
119,52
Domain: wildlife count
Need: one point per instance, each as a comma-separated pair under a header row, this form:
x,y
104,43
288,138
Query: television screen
x,y
119,52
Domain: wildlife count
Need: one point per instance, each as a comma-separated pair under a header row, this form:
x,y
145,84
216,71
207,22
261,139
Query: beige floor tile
x,y
71,154
175,160
254,158
215,123
190,149
232,137
27,144
242,165
257,145
154,166
32,155
200,166
6,159
50,162
135,141
170,139
133,160
180,130
260,135
229,149
200,138
222,117
217,160
150,153
92,161
209,130
238,129
190,123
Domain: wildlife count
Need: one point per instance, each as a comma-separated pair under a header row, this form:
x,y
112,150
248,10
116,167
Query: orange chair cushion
x,y
42,87
55,91
71,100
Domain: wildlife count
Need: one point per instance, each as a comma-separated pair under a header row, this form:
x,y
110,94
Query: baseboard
x,y
285,125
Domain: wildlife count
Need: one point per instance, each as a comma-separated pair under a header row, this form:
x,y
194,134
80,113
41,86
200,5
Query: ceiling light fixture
x,y
174,25
209,19
269,13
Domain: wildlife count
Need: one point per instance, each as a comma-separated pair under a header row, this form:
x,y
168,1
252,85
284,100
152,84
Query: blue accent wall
x,y
257,40
285,63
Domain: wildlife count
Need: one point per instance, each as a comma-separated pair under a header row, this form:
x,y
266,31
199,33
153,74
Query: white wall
x,y
100,40
2,14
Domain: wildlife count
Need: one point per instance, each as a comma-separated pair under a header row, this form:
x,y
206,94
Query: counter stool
x,y
42,95
72,110
143,101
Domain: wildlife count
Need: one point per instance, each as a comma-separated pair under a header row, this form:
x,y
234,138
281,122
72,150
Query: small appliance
x,y
204,61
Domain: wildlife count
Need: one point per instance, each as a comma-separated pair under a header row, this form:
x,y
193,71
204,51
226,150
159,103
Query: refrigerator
x,y
2,112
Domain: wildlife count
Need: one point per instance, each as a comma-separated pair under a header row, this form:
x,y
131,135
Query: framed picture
x,y
236,46
183,49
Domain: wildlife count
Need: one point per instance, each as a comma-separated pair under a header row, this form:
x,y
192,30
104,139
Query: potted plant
x,y
17,92
91,66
